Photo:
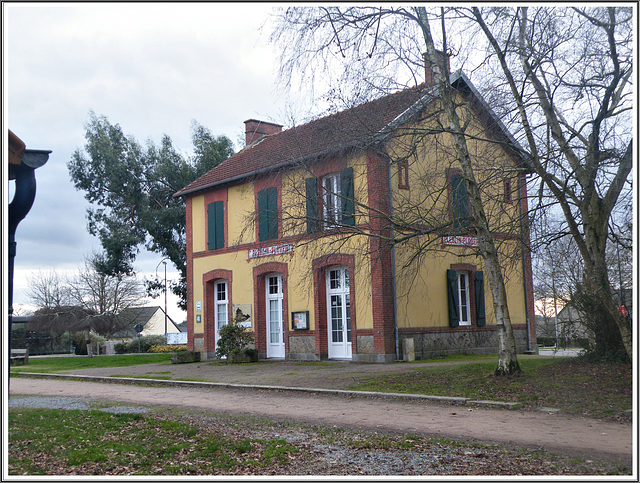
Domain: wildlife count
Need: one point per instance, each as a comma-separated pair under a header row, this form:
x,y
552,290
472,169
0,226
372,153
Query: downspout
x,y
524,262
393,265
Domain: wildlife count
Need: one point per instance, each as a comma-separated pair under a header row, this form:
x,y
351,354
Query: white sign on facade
x,y
269,251
460,241
242,315
198,306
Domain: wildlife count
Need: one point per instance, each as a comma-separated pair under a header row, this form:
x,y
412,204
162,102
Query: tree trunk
x,y
507,360
611,329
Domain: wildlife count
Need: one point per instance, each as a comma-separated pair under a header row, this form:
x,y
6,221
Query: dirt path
x,y
526,429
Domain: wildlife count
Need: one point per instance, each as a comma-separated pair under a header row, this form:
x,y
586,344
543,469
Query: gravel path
x,y
525,429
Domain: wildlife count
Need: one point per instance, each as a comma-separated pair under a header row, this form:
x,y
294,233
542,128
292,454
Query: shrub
x,y
233,338
120,347
168,348
146,342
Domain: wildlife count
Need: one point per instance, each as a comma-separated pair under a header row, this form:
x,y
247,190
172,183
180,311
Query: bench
x,y
19,356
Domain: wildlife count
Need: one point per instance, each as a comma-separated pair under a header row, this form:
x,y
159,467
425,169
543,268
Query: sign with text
x,y
460,241
300,320
269,251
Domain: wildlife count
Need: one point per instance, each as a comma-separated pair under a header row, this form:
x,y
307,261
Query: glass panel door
x,y
221,307
275,316
339,313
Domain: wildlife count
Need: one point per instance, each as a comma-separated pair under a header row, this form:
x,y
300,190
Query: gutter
x,y
393,267
524,265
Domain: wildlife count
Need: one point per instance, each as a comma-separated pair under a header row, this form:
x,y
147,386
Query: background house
x,y
571,328
152,320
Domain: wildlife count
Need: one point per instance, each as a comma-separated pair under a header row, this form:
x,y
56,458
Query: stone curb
x,y
311,390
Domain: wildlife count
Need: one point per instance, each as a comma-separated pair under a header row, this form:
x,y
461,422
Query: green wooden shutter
x,y
479,289
459,201
452,291
346,192
268,214
215,215
313,222
272,207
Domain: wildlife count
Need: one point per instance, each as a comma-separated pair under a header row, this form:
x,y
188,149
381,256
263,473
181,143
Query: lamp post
x,y
22,165
164,262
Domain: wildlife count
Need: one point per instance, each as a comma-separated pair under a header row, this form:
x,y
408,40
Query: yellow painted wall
x,y
421,287
239,210
198,230
422,290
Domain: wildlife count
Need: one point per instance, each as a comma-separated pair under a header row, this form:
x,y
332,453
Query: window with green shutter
x,y
479,289
311,193
347,203
268,214
215,225
452,293
337,198
459,293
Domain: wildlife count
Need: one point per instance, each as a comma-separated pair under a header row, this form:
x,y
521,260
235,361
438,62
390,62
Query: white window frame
x,y
331,200
219,303
464,300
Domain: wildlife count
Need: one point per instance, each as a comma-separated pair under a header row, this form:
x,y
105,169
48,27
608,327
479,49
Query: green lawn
x,y
57,364
51,441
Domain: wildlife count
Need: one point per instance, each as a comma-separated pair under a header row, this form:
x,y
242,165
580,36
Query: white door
x,y
221,307
275,317
339,313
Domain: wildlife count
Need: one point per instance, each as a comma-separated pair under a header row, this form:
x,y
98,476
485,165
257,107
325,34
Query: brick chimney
x,y
254,130
428,73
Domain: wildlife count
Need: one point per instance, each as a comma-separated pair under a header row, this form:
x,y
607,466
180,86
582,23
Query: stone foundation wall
x,y
302,348
432,344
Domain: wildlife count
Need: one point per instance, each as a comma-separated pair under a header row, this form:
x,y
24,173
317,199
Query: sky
x,y
152,68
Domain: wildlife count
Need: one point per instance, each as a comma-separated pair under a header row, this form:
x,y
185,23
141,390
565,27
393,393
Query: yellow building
x,y
292,235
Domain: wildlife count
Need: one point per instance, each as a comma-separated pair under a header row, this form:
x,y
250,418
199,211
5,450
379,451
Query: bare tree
x,y
90,302
48,289
104,296
567,81
324,34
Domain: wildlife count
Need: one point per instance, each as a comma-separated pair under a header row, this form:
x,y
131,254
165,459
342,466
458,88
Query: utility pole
x,y
164,261
165,297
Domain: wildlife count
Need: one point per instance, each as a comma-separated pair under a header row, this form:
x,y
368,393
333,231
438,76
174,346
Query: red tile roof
x,y
355,127
358,127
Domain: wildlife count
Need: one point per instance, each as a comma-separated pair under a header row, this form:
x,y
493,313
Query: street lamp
x,y
22,165
164,262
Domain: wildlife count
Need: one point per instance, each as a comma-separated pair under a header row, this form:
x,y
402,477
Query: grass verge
x,y
60,364
52,441
172,442
569,384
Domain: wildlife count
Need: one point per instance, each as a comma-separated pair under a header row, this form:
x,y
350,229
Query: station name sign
x,y
269,251
460,241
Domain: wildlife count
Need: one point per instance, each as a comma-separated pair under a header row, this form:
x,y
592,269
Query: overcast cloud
x,y
152,68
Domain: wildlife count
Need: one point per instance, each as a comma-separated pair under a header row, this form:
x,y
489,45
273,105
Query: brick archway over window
x,y
208,280
320,266
259,303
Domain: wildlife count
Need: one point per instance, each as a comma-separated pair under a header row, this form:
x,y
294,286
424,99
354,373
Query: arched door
x,y
339,313
275,316
221,307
